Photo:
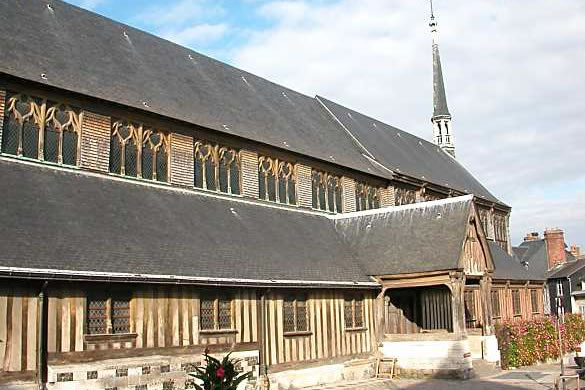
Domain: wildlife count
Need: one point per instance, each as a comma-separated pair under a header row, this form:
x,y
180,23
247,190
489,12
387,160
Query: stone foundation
x,y
436,358
144,373
322,374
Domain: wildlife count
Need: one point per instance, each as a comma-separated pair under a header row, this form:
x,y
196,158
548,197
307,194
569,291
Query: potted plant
x,y
219,375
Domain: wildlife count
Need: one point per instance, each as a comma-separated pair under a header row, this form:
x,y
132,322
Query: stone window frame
x,y
44,114
297,307
353,312
110,317
216,302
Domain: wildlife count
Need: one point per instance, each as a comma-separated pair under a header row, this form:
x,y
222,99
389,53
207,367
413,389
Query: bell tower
x,y
441,119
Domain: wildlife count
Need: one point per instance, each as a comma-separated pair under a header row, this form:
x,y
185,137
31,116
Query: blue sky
x,y
514,77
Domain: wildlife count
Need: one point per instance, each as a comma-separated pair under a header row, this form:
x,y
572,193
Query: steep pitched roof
x,y
88,54
60,220
508,267
439,96
535,254
567,269
407,239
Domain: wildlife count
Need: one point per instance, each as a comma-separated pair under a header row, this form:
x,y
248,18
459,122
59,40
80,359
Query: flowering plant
x,y
219,375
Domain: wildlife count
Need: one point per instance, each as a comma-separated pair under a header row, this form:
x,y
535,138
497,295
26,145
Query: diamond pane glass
x,y
198,172
292,192
225,314
271,188
359,313
223,179
289,316
210,175
161,165
282,191
207,313
10,135
69,148
348,313
51,145
121,315
115,152
96,316
147,163
30,141
516,302
314,189
338,202
131,159
495,303
302,316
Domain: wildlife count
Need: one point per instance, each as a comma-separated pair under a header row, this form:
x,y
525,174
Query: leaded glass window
x,y
215,313
327,192
107,315
295,314
277,180
41,129
353,312
495,297
366,197
217,168
534,301
516,307
137,151
500,230
404,196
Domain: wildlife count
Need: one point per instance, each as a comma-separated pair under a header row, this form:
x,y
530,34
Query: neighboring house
x,y
157,202
549,258
565,286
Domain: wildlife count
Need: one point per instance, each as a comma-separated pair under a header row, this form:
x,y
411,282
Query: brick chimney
x,y
531,236
555,246
576,251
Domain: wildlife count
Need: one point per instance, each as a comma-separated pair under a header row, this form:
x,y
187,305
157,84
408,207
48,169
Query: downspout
x,y
41,336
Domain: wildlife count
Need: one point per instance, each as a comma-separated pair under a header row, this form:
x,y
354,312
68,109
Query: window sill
x,y
94,338
360,329
217,331
298,333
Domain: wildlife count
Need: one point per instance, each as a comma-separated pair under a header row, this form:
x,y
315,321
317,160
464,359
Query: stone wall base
x,y
157,372
323,374
450,358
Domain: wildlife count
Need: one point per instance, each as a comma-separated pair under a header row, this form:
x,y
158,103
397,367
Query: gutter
x,y
67,275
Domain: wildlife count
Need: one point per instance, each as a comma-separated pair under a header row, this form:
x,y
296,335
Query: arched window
x,y
404,196
217,168
366,197
139,152
277,180
327,191
36,128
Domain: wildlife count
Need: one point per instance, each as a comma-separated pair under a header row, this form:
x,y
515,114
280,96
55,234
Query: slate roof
x,y
54,219
535,254
88,54
508,267
439,96
406,239
567,269
79,223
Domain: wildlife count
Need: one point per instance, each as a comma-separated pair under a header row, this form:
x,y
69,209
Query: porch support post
x,y
379,310
485,288
458,303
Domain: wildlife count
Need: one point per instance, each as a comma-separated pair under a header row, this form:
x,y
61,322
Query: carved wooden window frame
x,y
295,309
215,156
367,197
115,323
277,173
143,138
495,300
404,196
44,115
534,301
353,312
219,303
327,191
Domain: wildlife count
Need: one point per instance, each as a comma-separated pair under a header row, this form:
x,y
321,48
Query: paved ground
x,y
539,377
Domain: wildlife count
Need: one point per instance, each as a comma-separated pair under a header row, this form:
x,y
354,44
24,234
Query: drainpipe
x,y
42,346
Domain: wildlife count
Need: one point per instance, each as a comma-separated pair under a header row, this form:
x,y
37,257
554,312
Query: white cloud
x,y
514,77
198,34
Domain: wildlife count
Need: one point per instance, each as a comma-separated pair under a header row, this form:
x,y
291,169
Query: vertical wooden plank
x,y
254,317
31,339
312,316
184,308
301,349
195,300
238,308
150,330
325,325
3,324
279,330
139,318
331,321
367,340
319,329
175,319
247,325
79,322
273,336
340,309
338,325
161,305
16,335
52,324
65,308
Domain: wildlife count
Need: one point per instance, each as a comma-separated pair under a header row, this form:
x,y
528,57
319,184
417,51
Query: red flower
x,y
220,372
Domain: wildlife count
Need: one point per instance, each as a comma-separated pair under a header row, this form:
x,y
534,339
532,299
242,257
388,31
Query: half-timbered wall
x,y
18,328
505,296
474,258
160,317
327,336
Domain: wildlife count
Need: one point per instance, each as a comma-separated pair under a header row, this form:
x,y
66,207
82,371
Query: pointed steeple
x,y
441,119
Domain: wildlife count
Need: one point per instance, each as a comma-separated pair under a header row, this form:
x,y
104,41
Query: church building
x,y
157,202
